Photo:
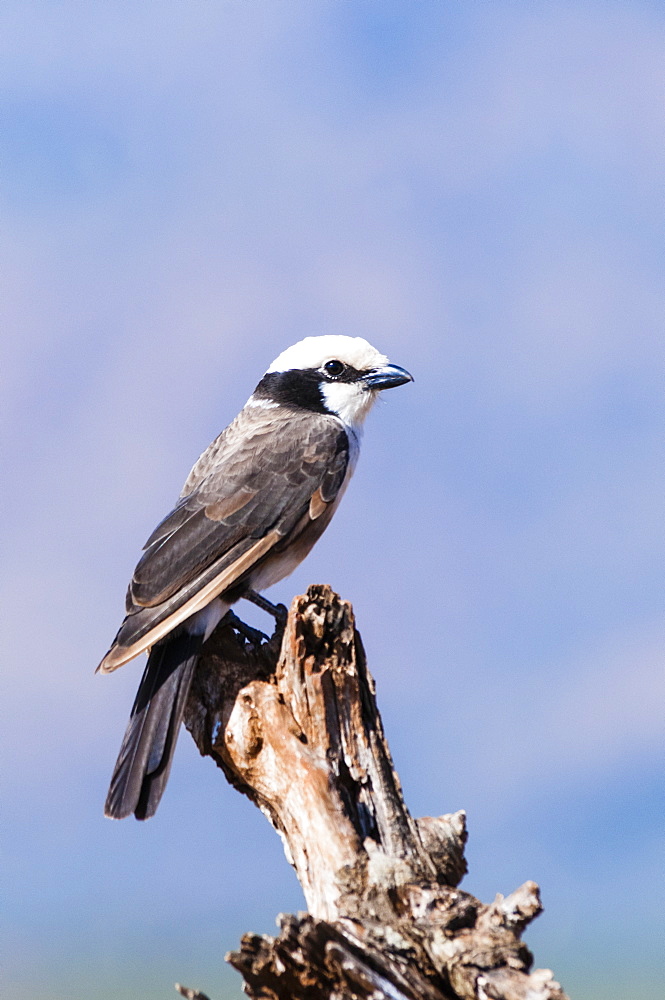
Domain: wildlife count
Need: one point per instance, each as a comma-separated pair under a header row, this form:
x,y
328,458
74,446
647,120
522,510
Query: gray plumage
x,y
251,509
254,482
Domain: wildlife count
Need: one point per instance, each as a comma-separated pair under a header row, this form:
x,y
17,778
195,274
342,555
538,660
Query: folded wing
x,y
265,476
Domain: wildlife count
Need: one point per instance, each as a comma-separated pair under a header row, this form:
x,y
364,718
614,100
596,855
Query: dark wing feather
x,y
333,476
263,480
257,477
168,525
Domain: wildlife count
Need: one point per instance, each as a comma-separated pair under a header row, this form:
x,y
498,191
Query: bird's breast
x,y
301,539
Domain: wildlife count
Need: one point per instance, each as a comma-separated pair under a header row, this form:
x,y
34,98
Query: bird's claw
x,y
253,635
278,611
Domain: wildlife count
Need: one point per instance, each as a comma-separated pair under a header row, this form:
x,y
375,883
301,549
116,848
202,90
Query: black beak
x,y
386,377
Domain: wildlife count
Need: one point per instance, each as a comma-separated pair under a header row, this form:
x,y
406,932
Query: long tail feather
x,y
144,761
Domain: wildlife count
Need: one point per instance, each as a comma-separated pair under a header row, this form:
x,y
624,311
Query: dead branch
x,y
295,727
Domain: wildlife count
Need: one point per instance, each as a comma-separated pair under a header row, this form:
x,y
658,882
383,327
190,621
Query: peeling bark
x,y
294,726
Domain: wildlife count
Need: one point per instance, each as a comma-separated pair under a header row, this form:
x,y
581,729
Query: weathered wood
x,y
190,994
294,725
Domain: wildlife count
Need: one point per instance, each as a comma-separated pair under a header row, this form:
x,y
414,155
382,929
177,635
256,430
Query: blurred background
x,y
477,189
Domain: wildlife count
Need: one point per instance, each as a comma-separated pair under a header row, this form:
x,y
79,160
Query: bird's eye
x,y
334,368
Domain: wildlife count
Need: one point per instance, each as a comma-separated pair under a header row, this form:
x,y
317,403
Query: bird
x,y
252,507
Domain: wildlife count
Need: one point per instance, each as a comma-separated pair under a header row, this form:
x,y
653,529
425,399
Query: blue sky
x,y
475,188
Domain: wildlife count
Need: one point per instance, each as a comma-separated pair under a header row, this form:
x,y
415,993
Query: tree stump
x,y
293,724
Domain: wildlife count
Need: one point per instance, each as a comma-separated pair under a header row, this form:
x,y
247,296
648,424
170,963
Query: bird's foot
x,y
253,635
278,611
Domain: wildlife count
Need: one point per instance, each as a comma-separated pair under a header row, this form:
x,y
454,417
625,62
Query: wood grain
x,y
294,725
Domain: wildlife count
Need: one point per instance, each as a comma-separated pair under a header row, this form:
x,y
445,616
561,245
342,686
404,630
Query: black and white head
x,y
341,376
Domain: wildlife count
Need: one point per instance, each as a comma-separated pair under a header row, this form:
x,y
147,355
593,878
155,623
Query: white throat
x,y
350,401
